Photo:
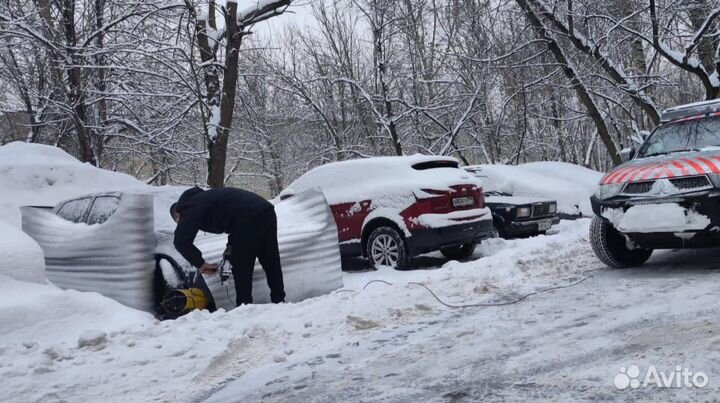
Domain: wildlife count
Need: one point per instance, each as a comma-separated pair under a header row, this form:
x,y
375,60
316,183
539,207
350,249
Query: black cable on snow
x,y
485,304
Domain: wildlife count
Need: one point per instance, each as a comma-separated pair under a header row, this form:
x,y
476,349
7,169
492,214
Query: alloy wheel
x,y
385,251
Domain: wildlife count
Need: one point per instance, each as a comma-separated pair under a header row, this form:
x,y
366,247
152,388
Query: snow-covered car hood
x,y
515,200
665,166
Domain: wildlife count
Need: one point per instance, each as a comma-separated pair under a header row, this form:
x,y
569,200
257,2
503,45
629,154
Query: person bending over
x,y
251,224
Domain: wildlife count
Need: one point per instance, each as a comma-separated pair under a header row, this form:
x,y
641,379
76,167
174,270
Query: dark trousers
x,y
256,239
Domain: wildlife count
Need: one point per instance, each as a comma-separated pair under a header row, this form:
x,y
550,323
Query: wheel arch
x,y
374,223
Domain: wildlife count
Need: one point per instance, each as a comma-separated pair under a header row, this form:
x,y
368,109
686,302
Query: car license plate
x,y
544,225
463,201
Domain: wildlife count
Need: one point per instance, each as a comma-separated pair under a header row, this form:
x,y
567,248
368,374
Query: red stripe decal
x,y
651,169
640,172
660,171
694,166
664,172
681,168
611,177
625,172
710,164
606,179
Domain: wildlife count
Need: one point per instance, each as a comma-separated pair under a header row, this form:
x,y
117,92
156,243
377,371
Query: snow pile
x,y
570,185
47,316
41,175
20,257
644,218
106,352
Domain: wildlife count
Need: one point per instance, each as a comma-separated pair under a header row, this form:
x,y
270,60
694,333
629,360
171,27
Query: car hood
x,y
665,166
514,200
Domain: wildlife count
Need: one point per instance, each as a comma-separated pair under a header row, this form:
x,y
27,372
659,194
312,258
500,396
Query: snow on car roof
x,y
392,179
396,161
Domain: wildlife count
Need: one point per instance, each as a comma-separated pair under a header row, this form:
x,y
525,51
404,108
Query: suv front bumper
x,y
706,203
431,239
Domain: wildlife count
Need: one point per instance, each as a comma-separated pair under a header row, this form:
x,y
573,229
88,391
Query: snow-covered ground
x,y
384,337
385,342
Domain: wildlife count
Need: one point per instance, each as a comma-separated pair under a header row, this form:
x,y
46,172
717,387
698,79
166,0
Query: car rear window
x,y
103,207
75,210
422,166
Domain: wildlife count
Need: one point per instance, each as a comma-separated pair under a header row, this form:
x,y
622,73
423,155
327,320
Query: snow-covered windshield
x,y
689,135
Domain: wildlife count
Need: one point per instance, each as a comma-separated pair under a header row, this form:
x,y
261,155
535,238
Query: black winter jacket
x,y
216,211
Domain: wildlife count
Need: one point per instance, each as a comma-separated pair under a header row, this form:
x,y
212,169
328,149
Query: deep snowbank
x,y
41,175
46,315
20,257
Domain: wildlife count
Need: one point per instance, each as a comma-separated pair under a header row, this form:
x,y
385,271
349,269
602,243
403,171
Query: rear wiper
x,y
496,193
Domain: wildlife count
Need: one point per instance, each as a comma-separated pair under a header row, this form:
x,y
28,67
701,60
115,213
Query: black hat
x,y
184,198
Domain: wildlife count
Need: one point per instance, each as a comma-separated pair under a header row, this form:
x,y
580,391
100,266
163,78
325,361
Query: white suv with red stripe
x,y
667,195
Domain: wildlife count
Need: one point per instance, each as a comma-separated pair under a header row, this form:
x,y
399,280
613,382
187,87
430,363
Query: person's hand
x,y
208,268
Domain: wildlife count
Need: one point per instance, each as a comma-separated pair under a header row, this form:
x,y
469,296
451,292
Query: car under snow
x,y
120,244
569,185
666,196
389,209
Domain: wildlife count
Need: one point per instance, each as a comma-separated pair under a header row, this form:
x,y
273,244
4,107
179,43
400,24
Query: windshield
x,y
690,135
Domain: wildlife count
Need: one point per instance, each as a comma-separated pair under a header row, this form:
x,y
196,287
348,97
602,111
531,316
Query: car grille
x,y
692,182
540,209
681,184
638,187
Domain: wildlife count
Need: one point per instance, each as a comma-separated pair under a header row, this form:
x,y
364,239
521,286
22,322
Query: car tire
x,y
611,248
386,247
459,252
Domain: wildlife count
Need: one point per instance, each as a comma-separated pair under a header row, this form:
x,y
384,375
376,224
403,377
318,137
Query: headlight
x,y
553,208
715,178
607,191
523,212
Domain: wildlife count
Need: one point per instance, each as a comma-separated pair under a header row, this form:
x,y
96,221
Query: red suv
x,y
389,209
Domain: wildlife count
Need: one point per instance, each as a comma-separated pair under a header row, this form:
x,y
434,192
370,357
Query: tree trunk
x,y
75,85
218,147
101,80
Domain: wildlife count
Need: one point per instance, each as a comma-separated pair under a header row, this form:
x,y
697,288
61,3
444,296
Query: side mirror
x,y
626,154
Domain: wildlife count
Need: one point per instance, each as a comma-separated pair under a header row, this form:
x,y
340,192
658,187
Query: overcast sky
x,y
299,12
